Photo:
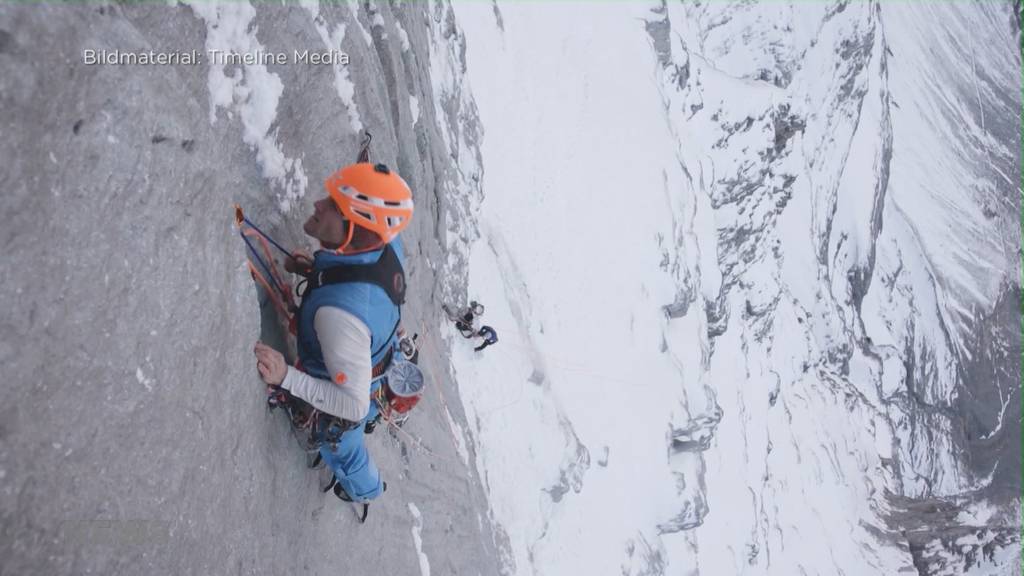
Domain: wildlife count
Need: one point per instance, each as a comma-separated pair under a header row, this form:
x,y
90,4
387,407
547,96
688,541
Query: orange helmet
x,y
372,197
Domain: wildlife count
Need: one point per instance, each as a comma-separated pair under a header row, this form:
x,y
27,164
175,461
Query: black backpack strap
x,y
381,367
386,272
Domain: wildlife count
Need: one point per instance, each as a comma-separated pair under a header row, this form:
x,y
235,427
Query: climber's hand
x,y
270,364
298,263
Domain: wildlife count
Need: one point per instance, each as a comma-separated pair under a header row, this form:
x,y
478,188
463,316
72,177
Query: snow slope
x,y
755,272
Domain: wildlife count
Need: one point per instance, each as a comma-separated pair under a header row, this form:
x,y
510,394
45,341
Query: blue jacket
x,y
488,334
368,302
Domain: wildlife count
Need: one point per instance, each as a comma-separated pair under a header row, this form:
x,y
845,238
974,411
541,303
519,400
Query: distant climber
x,y
409,346
348,318
465,318
489,336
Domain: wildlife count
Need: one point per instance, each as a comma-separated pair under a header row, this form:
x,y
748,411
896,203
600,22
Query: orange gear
x,y
372,197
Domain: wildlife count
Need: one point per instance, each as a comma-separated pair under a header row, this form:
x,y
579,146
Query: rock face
x,y
134,437
860,164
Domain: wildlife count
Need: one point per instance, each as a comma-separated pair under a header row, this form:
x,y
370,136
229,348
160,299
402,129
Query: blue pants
x,y
350,460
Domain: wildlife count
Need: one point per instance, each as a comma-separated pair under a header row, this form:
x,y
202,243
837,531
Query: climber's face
x,y
326,224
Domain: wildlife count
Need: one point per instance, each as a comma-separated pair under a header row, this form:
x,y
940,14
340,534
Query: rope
x,y
283,288
270,259
278,290
440,393
241,218
419,443
278,305
256,255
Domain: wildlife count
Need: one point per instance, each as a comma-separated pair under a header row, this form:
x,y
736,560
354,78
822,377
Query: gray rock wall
x,y
134,437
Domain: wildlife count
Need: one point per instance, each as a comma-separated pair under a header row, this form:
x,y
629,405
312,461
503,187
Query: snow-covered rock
x,y
785,308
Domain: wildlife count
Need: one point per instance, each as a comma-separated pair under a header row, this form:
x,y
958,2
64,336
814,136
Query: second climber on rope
x,y
488,335
465,318
349,316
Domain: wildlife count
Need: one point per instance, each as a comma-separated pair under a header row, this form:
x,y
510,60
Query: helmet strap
x,y
348,237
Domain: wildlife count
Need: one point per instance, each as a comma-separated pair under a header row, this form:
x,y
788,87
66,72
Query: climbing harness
x,y
319,428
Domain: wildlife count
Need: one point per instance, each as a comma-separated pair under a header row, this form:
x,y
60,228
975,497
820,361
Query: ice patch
x,y
377,21
417,525
143,379
414,109
343,85
251,90
403,37
353,6
460,440
978,515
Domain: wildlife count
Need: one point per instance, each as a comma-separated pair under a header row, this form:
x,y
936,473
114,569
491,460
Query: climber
x,y
348,317
489,336
409,345
465,318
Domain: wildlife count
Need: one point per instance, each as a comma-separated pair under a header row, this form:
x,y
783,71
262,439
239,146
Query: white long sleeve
x,y
345,343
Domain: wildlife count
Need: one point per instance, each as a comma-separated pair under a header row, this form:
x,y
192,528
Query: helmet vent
x,y
381,168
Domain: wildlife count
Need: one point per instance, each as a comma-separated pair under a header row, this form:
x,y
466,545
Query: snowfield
x,y
741,259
